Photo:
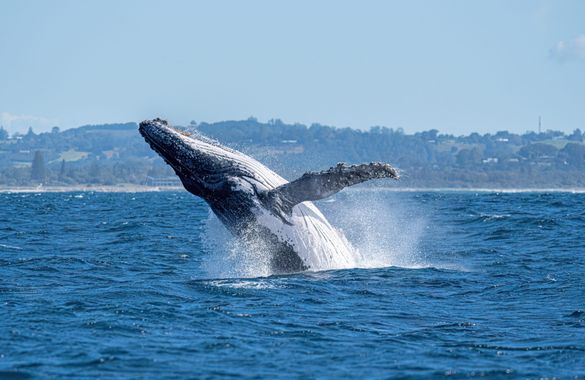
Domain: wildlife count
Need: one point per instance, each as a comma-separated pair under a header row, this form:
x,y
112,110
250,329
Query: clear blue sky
x,y
457,66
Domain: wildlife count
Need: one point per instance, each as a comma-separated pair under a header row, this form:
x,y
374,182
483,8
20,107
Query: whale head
x,y
204,166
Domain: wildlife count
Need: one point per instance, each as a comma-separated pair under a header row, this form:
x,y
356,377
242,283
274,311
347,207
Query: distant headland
x,y
113,157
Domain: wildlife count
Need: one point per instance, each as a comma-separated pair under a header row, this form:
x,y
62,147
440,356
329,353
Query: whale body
x,y
257,205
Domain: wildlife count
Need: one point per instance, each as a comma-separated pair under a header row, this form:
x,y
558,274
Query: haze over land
x,y
115,154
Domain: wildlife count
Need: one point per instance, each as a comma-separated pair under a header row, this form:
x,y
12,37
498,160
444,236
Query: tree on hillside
x,y
469,157
576,136
574,154
3,134
38,168
538,150
62,170
30,134
95,172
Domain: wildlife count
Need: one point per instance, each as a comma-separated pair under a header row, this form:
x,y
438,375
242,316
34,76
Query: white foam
x,y
383,233
10,247
228,257
244,284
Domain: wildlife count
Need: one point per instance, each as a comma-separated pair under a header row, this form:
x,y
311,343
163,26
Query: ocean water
x,y
147,285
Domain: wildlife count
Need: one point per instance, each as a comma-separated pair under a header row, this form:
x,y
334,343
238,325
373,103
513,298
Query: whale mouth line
x,y
166,156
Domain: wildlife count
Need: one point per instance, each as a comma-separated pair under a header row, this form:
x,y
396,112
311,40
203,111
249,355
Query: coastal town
x,y
97,156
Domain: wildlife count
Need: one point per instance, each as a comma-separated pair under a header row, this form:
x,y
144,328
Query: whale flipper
x,y
313,186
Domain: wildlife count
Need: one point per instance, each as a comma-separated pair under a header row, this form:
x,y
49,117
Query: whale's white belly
x,y
317,243
312,237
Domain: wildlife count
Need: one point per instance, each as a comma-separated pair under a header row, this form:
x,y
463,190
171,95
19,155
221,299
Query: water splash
x,y
229,257
383,234
383,231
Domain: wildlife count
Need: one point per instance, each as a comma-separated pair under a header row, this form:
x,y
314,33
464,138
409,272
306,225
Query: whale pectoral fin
x,y
313,186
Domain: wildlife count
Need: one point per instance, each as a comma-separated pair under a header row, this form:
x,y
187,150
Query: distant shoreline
x,y
88,188
146,189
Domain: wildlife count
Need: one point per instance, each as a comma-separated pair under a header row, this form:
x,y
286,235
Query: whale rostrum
x,y
257,205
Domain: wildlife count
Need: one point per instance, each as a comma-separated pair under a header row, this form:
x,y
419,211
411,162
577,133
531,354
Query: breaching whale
x,y
259,206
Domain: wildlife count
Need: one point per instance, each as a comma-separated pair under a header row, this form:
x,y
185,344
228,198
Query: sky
x,y
455,66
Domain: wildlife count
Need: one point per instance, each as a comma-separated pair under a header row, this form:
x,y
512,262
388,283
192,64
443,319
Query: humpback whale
x,y
257,205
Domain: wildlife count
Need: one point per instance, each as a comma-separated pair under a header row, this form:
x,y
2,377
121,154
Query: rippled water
x,y
127,286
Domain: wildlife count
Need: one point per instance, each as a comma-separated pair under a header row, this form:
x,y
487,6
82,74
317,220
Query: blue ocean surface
x,y
144,285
